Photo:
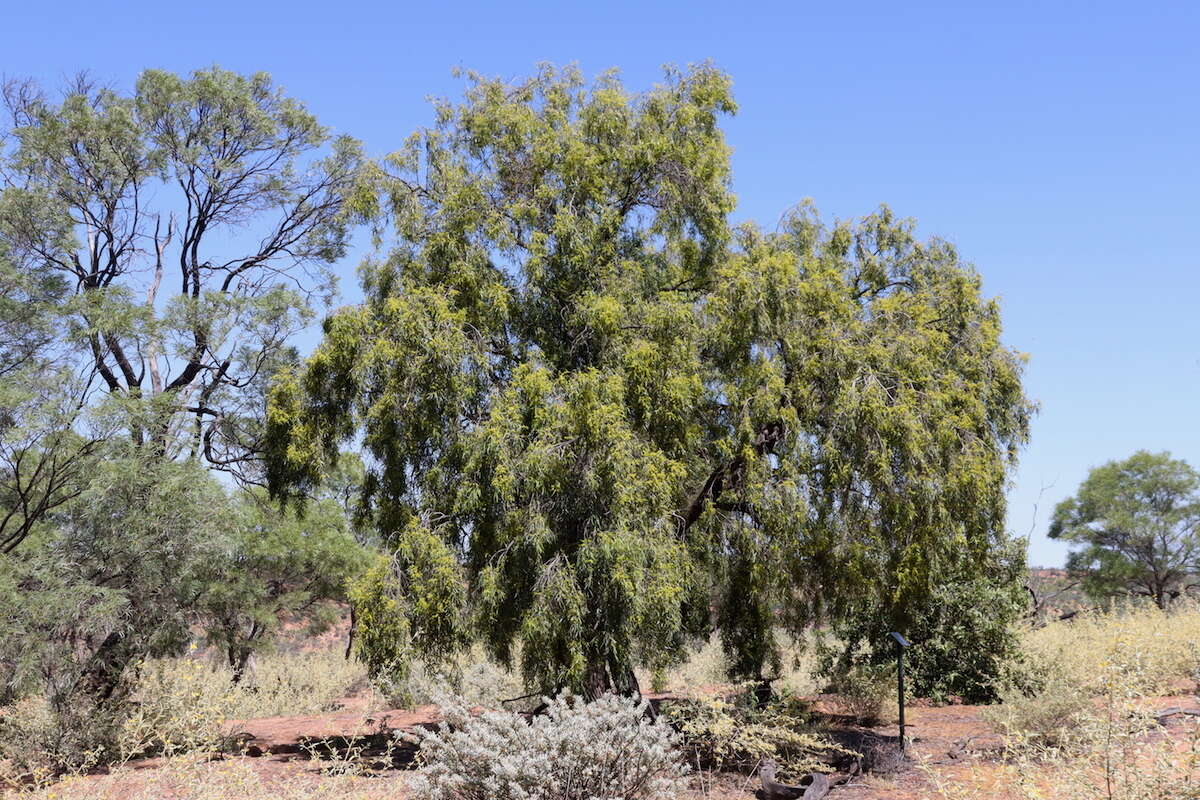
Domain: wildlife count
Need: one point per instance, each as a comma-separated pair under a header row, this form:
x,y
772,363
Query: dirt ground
x,y
947,745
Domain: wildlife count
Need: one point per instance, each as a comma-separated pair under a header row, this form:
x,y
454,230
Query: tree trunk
x,y
101,676
602,678
87,712
241,661
763,693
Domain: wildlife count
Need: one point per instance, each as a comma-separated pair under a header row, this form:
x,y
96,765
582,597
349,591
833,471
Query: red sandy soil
x,y
288,735
953,742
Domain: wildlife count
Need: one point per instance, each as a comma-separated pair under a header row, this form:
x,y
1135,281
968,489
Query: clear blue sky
x,y
1054,142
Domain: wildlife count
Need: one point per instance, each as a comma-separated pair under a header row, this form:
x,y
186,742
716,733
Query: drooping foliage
x,y
619,415
874,415
1135,524
410,605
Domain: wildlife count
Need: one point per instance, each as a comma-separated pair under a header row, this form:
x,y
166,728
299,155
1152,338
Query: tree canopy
x,y
1136,525
184,230
619,420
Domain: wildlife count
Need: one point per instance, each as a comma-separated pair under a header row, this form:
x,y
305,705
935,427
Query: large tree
x,y
157,251
1136,525
608,408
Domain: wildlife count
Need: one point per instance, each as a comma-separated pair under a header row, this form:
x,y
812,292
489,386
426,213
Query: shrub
x,y
866,691
734,734
1046,712
32,746
575,751
965,632
1103,747
41,739
178,707
471,676
113,582
275,567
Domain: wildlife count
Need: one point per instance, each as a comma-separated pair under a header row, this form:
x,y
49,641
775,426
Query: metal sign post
x,y
901,645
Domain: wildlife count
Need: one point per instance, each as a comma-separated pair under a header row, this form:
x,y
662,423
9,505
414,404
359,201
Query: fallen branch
x,y
1161,717
522,697
813,786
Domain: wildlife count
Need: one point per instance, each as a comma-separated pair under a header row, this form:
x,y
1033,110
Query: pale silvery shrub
x,y
604,750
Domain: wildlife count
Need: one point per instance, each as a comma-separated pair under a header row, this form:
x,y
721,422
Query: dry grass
x,y
707,666
1163,647
1089,732
1115,761
188,778
1131,651
179,706
181,703
473,677
1085,735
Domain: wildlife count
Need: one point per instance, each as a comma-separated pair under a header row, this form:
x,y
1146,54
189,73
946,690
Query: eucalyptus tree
x,y
191,222
591,402
1136,527
158,249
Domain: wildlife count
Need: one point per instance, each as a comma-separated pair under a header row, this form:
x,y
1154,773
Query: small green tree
x,y
1136,528
275,567
964,633
113,581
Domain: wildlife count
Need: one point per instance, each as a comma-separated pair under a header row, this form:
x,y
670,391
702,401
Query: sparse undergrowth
x,y
707,666
866,693
1165,645
310,682
179,706
190,778
1131,651
733,734
1082,728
